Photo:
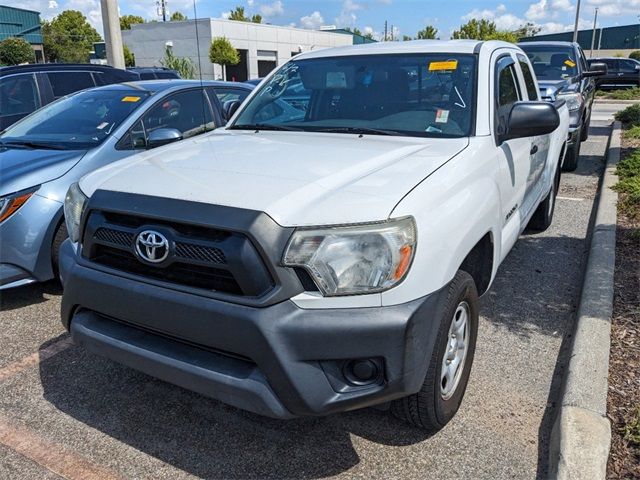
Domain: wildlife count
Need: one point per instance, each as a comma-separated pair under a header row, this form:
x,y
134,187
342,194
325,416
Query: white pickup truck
x,y
324,251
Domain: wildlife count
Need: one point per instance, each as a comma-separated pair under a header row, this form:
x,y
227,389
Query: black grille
x,y
199,252
199,257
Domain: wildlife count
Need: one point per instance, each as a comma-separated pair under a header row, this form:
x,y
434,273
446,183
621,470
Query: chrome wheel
x,y
456,351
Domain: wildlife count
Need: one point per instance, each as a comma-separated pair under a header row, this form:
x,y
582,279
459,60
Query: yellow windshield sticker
x,y
569,63
130,99
438,66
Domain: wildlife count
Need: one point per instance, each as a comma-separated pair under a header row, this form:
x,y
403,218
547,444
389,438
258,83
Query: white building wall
x,y
147,42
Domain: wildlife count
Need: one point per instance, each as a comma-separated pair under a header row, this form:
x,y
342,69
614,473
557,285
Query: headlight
x,y
354,259
74,204
11,203
574,100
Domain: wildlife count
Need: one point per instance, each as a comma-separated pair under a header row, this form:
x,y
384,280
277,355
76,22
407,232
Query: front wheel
x,y
572,157
444,385
60,236
543,216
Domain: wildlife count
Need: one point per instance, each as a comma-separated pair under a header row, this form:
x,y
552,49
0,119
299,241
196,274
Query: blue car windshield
x,y
425,95
552,62
79,121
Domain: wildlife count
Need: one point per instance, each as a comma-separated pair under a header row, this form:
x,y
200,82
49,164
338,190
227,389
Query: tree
x,y
69,38
238,15
368,35
183,65
476,30
127,20
129,57
223,53
406,38
505,36
178,17
428,33
14,51
635,55
527,30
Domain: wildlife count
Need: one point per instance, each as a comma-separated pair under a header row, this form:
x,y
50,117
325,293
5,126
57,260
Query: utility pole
x,y
385,30
593,35
575,28
162,9
112,33
392,33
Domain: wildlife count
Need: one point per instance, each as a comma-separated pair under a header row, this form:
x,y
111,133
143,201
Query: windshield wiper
x,y
265,126
359,130
31,145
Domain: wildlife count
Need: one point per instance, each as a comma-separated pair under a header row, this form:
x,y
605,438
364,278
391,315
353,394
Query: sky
x,y
406,16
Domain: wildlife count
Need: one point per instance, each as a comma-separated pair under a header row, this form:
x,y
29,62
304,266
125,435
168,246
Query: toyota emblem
x,y
152,246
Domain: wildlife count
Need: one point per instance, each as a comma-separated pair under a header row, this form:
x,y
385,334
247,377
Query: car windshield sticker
x,y
432,129
336,80
130,99
569,63
442,116
440,66
102,125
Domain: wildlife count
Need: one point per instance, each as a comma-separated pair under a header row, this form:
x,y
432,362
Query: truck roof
x,y
413,46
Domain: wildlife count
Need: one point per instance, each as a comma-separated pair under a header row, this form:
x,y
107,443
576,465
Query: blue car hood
x,y
22,168
551,88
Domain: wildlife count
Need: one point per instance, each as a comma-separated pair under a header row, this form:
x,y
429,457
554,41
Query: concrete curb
x,y
620,102
581,434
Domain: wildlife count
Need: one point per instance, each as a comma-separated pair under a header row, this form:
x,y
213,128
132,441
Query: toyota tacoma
x,y
324,251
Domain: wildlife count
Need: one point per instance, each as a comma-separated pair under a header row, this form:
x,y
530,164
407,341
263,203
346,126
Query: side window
x,y
187,112
147,76
532,91
582,60
507,92
227,94
628,66
18,95
611,64
64,83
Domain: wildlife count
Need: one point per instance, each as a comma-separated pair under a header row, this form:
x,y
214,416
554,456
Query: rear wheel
x,y
543,215
450,364
572,157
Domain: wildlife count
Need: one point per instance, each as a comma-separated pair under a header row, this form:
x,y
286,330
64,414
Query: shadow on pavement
x,y
205,437
19,297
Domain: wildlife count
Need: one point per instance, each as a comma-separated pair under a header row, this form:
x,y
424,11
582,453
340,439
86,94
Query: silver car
x,y
41,155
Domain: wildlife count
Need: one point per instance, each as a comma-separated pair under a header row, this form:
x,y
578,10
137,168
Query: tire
x,y
543,215
438,399
584,133
60,236
572,157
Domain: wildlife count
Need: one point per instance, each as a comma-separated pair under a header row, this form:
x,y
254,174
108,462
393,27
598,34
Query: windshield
x,y
429,95
552,63
79,121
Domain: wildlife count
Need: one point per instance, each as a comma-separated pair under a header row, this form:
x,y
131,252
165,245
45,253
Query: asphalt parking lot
x,y
65,413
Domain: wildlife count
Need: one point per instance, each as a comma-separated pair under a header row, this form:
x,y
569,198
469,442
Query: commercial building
x,y
609,41
21,23
262,47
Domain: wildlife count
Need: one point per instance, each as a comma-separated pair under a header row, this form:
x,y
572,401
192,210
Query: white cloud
x,y
225,15
272,10
537,11
250,3
348,17
501,8
53,5
312,21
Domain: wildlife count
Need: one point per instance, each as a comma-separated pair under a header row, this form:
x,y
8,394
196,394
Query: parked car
x,y
25,88
43,154
327,260
154,73
621,72
563,73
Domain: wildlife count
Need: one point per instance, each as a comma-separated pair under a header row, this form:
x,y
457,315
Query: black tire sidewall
x,y
464,290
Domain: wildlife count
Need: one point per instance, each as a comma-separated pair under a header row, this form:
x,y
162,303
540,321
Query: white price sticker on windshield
x,y
442,116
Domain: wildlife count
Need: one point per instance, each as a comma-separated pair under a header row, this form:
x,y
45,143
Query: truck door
x,y
514,156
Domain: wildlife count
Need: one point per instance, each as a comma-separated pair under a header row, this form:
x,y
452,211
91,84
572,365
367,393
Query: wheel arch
x,y
479,263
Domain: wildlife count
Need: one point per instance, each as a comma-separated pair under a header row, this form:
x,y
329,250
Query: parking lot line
x,y
35,358
50,455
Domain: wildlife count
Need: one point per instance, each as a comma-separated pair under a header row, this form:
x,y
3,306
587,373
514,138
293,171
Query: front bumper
x,y
280,361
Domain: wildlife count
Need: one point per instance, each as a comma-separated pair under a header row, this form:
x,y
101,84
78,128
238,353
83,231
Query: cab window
x,y
18,95
507,92
532,91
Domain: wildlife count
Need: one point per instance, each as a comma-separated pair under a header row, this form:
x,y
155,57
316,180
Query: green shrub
x,y
633,133
626,94
14,51
629,185
630,116
635,55
630,166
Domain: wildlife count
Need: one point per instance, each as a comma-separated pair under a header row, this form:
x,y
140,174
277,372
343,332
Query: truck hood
x,y
551,88
22,168
296,178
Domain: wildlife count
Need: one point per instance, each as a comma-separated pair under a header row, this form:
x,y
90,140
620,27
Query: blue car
x,y
44,153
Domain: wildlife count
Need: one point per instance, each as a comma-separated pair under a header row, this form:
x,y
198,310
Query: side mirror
x,y
162,136
529,119
229,108
597,69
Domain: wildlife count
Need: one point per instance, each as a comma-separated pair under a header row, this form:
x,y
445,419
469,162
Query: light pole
x,y
575,28
112,33
593,35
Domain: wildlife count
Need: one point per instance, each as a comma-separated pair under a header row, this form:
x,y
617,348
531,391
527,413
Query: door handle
x,y
534,150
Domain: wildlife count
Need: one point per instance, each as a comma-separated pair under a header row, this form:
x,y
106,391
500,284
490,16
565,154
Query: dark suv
x,y
563,74
155,73
621,72
25,88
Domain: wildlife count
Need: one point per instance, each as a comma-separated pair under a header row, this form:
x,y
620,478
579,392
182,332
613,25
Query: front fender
x,y
454,209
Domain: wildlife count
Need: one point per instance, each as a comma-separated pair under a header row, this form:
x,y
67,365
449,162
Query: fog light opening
x,y
365,371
